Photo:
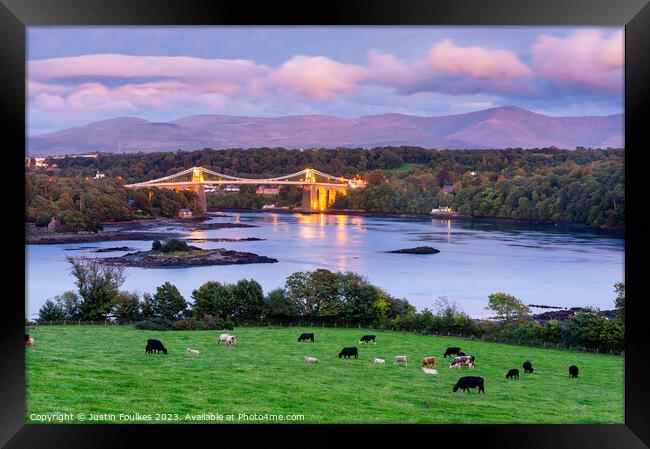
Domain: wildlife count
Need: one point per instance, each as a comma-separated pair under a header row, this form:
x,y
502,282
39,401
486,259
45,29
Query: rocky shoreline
x,y
416,250
195,258
133,230
103,236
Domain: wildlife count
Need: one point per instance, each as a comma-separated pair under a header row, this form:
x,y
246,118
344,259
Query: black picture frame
x,y
16,15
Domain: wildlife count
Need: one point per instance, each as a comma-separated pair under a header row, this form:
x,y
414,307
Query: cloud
x,y
587,58
444,77
476,62
316,77
454,70
129,66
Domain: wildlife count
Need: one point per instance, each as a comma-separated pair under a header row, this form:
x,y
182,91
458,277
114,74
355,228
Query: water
x,y
539,265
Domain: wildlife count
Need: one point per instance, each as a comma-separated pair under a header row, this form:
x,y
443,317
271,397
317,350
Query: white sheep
x,y
401,359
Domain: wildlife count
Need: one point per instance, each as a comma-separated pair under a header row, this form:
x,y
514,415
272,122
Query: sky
x,y
76,75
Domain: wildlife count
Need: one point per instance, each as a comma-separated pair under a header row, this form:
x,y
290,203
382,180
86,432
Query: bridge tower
x,y
198,177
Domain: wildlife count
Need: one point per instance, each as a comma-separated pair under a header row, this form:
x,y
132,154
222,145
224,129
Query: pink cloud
x,y
453,70
476,62
316,77
588,58
129,66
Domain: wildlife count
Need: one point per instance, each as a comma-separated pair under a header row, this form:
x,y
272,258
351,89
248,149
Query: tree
x,y
98,284
278,306
156,246
316,293
50,311
214,298
249,300
619,302
126,307
168,303
507,307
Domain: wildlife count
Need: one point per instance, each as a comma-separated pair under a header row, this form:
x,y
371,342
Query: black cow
x,y
368,339
467,382
349,352
461,353
455,350
306,336
155,345
528,367
573,371
513,374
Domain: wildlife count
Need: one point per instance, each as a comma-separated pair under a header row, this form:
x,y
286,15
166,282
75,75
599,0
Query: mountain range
x,y
501,127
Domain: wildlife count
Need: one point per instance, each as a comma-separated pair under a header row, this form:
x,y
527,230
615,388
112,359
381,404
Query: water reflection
x,y
574,268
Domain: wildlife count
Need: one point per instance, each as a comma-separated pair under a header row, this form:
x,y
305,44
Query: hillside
x,y
265,373
501,127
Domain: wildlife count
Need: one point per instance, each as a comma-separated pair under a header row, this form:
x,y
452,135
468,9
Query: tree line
x,y
582,186
319,296
84,203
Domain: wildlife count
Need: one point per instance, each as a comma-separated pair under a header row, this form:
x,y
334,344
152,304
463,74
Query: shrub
x,y
229,325
155,324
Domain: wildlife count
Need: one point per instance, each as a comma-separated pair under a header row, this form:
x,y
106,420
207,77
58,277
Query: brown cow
x,y
30,342
428,361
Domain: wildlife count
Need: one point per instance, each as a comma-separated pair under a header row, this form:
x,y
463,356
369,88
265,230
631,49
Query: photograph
x,y
325,225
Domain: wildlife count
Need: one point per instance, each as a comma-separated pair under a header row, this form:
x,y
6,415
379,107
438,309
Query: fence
x,y
310,324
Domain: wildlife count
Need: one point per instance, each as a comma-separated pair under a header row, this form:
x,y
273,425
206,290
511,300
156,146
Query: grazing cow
x,y
231,340
454,350
462,361
311,359
379,361
189,351
528,367
223,338
431,371
573,371
461,353
155,345
513,374
349,352
428,361
401,359
30,342
368,339
306,336
467,382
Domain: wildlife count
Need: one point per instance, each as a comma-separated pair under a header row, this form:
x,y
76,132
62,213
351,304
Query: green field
x,y
404,168
104,369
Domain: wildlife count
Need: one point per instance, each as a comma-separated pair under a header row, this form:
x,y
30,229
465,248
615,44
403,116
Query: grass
x,y
404,168
104,369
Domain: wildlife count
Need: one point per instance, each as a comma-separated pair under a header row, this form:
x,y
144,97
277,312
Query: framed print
x,y
411,216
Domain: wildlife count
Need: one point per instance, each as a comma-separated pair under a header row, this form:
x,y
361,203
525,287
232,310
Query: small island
x,y
416,250
176,253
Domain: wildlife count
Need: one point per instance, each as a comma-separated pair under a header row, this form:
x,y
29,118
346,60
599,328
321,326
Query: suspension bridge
x,y
319,189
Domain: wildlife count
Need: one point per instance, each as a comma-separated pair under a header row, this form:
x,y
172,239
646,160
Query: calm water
x,y
539,265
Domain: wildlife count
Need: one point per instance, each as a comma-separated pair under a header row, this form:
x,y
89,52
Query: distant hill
x,y
502,127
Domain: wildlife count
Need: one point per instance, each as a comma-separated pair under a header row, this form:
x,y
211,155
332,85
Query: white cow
x,y
311,359
379,361
189,351
401,359
30,342
223,338
231,340
431,371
